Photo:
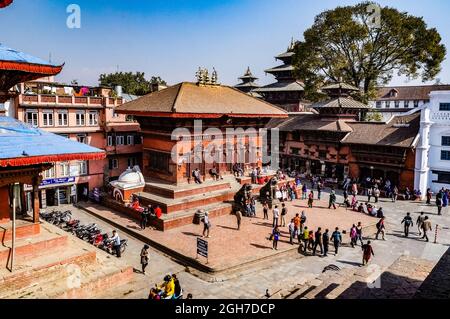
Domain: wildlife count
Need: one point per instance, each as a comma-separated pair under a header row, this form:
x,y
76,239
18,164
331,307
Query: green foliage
x,y
374,116
343,44
132,83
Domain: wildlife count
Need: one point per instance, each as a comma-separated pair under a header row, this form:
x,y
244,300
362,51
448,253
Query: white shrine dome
x,y
131,178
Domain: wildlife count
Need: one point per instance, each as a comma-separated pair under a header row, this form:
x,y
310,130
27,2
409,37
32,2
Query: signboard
x,y
56,181
202,247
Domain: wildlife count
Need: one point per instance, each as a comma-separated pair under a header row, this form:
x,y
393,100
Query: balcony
x,y
68,101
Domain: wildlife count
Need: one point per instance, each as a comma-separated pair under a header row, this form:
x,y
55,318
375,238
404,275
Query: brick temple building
x,y
332,141
169,182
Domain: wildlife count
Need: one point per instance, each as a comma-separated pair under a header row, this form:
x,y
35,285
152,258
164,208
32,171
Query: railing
x,y
41,99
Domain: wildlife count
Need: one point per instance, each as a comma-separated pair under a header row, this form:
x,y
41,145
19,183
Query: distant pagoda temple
x,y
248,83
334,141
340,104
288,91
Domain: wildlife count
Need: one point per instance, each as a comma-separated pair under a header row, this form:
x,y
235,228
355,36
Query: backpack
x,y
283,212
379,224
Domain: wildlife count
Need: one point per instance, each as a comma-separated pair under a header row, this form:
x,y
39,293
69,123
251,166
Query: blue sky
x,y
173,38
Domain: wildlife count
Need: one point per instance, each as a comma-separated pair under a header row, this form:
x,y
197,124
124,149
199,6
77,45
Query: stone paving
x,y
229,247
290,269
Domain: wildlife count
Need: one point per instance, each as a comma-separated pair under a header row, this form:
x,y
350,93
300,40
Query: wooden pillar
x,y
23,199
4,204
35,201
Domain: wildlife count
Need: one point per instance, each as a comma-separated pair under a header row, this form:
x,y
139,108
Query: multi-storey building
x,y
395,100
87,115
433,155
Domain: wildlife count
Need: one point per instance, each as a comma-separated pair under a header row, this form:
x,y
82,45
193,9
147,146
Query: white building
x,y
433,152
396,100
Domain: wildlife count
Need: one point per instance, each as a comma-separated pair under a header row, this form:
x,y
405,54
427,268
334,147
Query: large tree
x,y
132,83
355,45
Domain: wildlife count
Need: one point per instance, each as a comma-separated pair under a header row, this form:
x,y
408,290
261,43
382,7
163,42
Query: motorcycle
x,y
107,245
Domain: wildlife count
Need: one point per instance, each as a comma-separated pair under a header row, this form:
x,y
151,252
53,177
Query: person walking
x,y
238,219
206,225
369,194
297,230
144,218
326,242
337,240
291,228
276,216
380,228
419,222
426,227
407,220
305,239
318,241
266,211
144,258
353,235
429,196
304,191
439,197
332,200
319,190
115,239
276,238
359,235
284,212
367,253
376,194
310,199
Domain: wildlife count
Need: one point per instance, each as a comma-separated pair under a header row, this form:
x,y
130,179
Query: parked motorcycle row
x,y
90,233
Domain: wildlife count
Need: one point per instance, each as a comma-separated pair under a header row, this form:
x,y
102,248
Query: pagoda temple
x,y
334,142
168,174
288,91
248,84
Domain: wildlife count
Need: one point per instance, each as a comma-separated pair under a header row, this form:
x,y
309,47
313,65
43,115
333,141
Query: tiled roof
x,y
337,86
189,98
20,142
310,122
282,87
420,92
11,55
341,102
400,131
281,68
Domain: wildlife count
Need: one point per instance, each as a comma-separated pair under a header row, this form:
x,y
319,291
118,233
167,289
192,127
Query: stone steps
x,y
53,272
169,206
401,280
172,192
34,246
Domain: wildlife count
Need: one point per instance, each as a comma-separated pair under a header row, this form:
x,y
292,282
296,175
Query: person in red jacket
x,y
158,212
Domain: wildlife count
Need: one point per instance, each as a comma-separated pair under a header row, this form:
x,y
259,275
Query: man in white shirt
x,y
276,216
116,243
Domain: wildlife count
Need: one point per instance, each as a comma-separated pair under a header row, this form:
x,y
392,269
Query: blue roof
x,y
20,140
8,54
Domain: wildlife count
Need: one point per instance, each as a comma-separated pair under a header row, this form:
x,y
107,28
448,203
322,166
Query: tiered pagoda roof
x,y
340,100
288,91
248,83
